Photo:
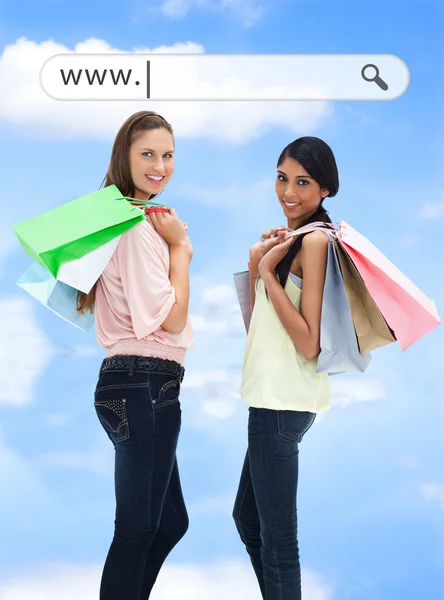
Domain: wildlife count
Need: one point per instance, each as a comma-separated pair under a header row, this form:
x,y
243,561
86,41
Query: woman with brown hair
x,y
141,311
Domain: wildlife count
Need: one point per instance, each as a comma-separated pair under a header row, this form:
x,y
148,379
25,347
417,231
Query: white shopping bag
x,y
82,274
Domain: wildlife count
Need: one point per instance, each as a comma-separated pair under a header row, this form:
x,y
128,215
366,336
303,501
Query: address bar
x,y
151,76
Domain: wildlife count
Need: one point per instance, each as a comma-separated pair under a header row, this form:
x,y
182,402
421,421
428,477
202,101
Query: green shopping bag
x,y
76,228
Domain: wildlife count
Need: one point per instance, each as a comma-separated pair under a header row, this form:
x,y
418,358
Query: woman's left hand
x,y
274,256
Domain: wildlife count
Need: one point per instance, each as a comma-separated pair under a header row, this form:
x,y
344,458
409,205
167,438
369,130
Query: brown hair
x,y
119,171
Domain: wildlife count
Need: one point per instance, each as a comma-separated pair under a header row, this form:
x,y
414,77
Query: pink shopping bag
x,y
407,310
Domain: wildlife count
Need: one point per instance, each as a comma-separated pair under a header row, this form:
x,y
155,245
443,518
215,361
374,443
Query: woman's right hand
x,y
170,227
275,231
269,239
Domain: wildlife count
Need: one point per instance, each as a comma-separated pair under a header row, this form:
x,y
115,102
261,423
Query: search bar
x,y
151,76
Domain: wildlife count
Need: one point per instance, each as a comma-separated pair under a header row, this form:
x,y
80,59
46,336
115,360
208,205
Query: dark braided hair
x,y
318,160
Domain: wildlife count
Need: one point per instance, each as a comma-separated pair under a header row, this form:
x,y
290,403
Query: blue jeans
x,y
137,403
265,510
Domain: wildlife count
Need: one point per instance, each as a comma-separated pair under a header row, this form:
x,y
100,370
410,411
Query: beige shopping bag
x,y
371,328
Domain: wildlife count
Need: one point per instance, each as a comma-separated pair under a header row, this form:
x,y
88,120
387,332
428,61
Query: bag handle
x,y
327,228
142,203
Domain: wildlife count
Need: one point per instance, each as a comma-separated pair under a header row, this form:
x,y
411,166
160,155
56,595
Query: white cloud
x,y
231,198
217,384
257,200
220,408
177,9
216,397
433,492
8,241
57,420
98,459
433,210
347,391
231,579
219,311
23,103
83,351
196,379
210,326
25,351
247,11
20,482
24,497
53,583
219,294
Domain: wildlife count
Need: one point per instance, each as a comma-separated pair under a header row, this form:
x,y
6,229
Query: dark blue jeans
x,y
137,402
265,510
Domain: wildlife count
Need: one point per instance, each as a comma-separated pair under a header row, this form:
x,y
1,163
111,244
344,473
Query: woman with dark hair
x,y
141,311
279,379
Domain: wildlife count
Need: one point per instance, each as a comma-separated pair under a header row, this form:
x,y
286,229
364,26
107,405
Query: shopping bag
x,y
371,329
83,273
60,298
339,345
407,310
71,231
242,285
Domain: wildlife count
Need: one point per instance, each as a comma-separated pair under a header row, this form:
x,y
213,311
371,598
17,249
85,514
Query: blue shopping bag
x,y
339,344
59,297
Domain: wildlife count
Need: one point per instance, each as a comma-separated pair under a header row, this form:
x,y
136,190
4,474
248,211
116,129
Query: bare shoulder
x,y
315,240
314,256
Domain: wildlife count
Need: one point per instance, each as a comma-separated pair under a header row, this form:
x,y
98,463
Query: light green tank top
x,y
275,375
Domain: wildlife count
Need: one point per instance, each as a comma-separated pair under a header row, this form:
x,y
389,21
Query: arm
x,y
145,278
174,233
269,239
303,327
254,272
180,280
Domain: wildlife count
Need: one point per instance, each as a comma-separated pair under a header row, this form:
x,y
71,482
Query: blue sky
x,y
371,495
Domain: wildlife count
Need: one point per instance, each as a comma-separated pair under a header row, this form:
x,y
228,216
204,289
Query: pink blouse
x,y
134,297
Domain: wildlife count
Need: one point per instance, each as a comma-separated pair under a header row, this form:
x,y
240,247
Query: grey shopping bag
x,y
339,344
242,285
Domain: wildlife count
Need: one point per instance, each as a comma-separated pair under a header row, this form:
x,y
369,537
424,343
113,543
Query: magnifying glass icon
x,y
380,82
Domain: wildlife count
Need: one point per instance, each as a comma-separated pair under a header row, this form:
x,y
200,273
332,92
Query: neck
x,y
296,223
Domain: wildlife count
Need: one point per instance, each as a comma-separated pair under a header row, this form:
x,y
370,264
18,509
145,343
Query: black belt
x,y
142,363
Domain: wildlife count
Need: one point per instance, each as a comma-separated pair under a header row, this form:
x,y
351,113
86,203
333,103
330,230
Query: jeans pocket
x,y
112,415
164,389
293,424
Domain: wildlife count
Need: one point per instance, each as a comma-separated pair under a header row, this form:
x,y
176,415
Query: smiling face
x,y
151,162
298,193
